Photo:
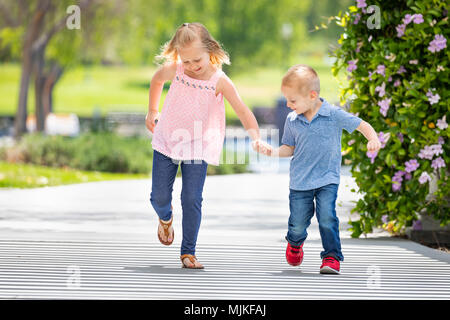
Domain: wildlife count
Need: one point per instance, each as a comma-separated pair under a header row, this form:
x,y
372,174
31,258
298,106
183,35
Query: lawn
x,y
88,89
33,176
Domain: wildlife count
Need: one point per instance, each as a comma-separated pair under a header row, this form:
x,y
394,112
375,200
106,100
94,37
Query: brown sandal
x,y
192,259
166,226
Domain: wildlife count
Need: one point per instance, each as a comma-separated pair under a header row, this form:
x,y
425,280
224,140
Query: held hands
x,y
262,147
150,120
373,145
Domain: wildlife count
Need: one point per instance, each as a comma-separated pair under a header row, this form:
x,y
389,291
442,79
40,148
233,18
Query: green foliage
x,y
103,151
412,76
16,175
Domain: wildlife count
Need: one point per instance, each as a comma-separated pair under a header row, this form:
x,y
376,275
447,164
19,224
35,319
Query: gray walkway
x,y
98,240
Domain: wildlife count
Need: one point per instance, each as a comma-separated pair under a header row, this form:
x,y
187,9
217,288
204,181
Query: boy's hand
x,y
262,147
373,145
150,120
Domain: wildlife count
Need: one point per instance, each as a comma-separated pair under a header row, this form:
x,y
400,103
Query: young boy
x,y
312,135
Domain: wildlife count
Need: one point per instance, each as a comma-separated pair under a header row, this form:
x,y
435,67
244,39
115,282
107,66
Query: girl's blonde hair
x,y
185,35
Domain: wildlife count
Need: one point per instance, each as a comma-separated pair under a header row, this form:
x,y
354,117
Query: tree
x,y
41,25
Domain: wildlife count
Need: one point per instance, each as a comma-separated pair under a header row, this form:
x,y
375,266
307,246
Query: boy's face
x,y
298,101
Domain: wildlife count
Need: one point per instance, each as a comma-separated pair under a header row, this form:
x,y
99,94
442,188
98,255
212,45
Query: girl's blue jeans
x,y
193,179
301,204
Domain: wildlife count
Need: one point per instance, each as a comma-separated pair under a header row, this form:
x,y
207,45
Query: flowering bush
x,y
398,81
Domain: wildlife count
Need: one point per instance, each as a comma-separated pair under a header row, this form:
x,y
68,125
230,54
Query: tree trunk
x,y
32,33
50,80
39,80
21,114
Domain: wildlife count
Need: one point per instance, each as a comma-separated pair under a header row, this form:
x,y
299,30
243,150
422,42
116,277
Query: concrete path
x,y
98,241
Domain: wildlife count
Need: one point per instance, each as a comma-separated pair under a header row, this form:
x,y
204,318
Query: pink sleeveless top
x,y
192,121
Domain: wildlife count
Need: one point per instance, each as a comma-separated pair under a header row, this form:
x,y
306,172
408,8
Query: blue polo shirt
x,y
317,155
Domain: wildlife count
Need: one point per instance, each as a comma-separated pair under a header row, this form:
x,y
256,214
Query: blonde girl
x,y
190,130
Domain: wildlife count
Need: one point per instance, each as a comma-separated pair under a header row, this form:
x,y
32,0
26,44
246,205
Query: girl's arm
x,y
373,144
248,120
163,74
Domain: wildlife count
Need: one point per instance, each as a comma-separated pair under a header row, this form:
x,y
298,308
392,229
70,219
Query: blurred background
x,y
74,80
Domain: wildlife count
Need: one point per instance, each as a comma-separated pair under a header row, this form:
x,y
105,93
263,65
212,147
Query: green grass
x,y
84,90
33,176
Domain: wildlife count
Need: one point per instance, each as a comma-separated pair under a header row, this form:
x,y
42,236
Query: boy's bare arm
x,y
283,151
373,144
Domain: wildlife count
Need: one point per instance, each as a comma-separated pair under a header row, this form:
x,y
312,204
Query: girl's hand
x,y
150,120
373,145
262,147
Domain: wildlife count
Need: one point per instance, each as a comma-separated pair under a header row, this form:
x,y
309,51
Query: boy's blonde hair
x,y
185,35
302,77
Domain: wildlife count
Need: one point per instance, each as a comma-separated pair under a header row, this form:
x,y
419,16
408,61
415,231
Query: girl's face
x,y
195,58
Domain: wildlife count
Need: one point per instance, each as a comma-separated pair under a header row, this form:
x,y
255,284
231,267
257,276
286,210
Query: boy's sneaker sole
x,y
328,270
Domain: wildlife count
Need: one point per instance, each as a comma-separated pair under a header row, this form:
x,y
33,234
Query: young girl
x,y
191,128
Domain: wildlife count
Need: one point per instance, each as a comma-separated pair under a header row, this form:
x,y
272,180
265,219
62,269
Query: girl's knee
x,y
160,199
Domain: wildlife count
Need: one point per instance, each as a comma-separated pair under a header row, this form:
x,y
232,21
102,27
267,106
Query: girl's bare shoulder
x,y
166,72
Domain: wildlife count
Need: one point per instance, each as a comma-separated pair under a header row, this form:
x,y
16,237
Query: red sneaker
x,y
294,254
330,265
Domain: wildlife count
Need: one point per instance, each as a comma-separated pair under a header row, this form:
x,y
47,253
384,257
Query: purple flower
x,y
411,165
400,137
400,30
381,90
433,98
372,156
408,18
417,225
408,176
384,138
361,3
429,151
357,17
438,163
397,83
442,123
424,177
401,70
397,180
441,140
385,218
352,65
396,186
384,106
350,142
439,43
371,74
381,69
418,18
370,38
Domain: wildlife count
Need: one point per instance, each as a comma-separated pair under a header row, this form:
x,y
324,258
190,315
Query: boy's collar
x,y
324,110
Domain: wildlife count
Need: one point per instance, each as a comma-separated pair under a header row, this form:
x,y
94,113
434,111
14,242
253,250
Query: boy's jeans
x,y
193,176
301,205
